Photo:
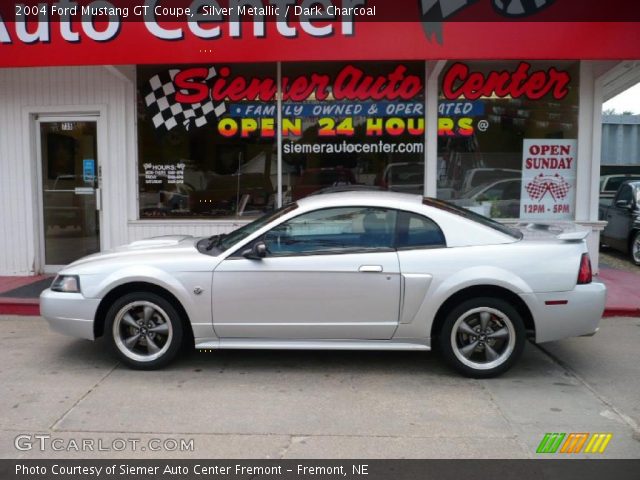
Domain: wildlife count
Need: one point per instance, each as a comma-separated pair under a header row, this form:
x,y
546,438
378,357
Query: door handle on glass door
x,y
370,268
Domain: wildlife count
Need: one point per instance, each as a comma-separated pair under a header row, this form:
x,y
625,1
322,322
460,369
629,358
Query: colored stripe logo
x,y
574,443
598,443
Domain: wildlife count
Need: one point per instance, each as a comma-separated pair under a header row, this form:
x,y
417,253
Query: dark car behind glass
x,y
623,221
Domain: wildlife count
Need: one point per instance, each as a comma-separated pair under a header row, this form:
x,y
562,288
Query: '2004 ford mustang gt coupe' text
x,y
349,270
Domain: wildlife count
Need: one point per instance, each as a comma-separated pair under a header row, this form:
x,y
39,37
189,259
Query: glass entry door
x,y
69,175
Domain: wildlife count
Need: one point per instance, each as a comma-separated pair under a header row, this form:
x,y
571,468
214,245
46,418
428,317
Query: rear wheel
x,y
635,248
144,330
482,337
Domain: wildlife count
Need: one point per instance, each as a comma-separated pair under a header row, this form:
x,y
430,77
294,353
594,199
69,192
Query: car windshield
x,y
463,212
241,233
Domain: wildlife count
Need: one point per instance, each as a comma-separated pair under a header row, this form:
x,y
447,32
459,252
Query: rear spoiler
x,y
564,231
577,236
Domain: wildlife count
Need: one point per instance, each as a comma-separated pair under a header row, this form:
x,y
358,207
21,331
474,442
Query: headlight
x,y
66,283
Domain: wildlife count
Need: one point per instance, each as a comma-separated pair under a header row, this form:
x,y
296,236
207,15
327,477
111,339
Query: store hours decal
x,y
548,179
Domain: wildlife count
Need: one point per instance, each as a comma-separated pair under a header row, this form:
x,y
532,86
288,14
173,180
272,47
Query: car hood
x,y
164,241
157,247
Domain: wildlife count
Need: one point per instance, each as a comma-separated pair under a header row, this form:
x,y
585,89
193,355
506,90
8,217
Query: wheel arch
x,y
635,229
483,291
139,286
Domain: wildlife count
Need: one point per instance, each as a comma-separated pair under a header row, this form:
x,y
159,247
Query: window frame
x,y
337,251
237,254
417,247
622,189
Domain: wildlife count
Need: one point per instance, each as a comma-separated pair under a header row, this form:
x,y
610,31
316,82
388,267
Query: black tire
x,y
634,248
503,319
154,344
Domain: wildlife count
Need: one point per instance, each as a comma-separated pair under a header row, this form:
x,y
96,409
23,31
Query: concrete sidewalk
x,y
623,294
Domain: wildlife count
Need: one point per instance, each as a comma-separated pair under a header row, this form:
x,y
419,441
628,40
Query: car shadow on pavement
x,y
321,363
78,351
312,362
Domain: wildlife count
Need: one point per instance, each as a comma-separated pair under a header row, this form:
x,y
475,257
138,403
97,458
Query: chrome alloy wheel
x,y
142,331
483,338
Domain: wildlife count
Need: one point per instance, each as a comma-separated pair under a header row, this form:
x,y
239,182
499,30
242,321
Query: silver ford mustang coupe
x,y
349,270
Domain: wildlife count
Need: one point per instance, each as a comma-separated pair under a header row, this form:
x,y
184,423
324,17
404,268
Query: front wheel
x,y
635,248
482,337
144,330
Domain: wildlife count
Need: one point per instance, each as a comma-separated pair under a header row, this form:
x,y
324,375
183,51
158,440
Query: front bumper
x,y
69,313
580,316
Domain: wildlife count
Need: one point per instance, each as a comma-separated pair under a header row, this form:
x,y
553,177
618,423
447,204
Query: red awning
x,y
397,30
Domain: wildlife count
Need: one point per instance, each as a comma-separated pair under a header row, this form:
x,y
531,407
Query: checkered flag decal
x,y
556,185
159,97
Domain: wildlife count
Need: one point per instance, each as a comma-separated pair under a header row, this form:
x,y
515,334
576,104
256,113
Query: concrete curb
x,y
621,312
19,306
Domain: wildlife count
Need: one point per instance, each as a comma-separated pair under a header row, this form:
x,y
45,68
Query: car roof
x,y
485,169
504,180
362,197
459,230
611,175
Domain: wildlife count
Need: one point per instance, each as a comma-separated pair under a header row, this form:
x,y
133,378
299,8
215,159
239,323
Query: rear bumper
x,y
580,316
69,313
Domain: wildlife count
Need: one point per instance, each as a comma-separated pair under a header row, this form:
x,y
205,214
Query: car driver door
x,y
619,218
327,274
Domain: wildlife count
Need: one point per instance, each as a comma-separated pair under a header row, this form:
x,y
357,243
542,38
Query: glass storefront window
x,y
356,124
507,132
201,154
507,135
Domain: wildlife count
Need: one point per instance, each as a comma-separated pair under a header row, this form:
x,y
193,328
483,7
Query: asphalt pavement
x,y
68,398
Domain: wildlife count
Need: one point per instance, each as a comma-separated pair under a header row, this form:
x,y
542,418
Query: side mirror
x,y
257,252
623,204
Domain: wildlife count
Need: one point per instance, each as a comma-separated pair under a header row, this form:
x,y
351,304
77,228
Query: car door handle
x,y
370,268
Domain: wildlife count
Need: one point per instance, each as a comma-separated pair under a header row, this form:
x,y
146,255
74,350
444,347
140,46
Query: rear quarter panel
x,y
522,267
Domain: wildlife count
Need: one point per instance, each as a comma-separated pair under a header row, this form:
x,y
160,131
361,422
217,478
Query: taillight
x,y
584,274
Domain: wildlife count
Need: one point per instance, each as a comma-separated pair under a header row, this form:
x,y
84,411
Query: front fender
x,y
139,273
182,285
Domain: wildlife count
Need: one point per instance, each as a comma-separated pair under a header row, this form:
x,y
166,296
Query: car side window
x,y
512,191
418,231
625,194
495,193
333,230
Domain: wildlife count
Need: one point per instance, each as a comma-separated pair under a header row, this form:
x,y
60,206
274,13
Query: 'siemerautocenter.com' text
x,y
346,147
47,443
